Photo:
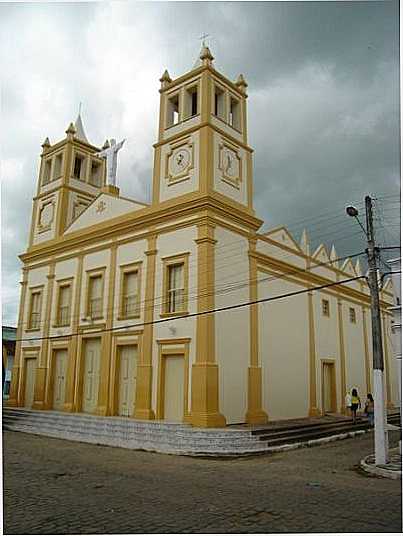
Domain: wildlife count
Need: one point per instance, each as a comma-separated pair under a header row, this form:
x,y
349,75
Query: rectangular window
x,y
234,115
35,310
95,290
79,170
130,294
176,288
58,167
219,102
353,318
64,300
46,171
96,178
173,111
325,308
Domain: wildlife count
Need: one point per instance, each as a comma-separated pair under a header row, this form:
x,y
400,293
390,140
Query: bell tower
x,y
202,146
70,177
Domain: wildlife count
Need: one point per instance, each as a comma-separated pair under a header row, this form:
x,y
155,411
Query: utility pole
x,y
381,437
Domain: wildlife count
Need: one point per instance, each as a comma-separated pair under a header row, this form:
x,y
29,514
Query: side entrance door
x,y
91,375
174,388
30,373
127,379
328,388
60,364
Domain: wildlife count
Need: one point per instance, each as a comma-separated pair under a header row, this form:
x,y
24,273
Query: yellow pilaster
x,y
255,413
106,341
143,409
204,404
69,404
343,386
366,351
313,404
15,398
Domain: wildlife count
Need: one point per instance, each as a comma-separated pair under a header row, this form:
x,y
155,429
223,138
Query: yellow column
x,y
366,351
313,405
106,341
255,413
15,399
205,405
343,386
386,359
41,370
143,409
69,403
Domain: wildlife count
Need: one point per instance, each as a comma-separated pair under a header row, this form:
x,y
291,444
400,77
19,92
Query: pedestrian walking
x,y
369,409
355,404
347,402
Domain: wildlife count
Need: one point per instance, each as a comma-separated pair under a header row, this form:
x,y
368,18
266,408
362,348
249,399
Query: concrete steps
x,y
174,438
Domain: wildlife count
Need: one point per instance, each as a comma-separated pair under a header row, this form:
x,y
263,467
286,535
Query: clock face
x,y
180,160
230,164
46,215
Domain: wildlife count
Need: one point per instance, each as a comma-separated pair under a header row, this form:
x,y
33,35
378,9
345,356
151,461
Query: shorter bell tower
x,y
202,146
70,177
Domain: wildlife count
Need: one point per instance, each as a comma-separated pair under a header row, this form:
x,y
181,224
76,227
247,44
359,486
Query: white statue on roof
x,y
110,153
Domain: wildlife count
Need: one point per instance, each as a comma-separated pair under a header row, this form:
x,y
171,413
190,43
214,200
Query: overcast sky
x,y
323,103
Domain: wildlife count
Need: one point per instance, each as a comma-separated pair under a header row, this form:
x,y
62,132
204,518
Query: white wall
x,y
283,343
232,327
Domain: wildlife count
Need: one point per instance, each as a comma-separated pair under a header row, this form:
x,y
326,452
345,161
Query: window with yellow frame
x,y
130,286
175,285
35,308
95,294
63,307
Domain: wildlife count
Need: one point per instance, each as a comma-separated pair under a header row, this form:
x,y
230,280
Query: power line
x,y
201,313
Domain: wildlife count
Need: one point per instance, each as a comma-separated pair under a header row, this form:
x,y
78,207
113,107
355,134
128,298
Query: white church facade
x,y
116,295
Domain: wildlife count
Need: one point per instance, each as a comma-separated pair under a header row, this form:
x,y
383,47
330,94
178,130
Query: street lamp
x,y
381,438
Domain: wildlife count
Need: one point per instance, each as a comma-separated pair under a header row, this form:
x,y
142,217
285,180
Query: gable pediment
x,y
283,236
104,207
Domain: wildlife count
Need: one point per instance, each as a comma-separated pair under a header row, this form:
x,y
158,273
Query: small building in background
x,y
8,336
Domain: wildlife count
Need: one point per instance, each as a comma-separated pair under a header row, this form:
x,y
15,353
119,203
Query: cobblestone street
x,y
58,487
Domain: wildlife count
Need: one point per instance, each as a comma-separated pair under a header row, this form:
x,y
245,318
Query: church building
x,y
117,299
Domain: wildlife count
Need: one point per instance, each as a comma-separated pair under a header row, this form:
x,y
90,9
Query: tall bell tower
x,y
202,146
71,175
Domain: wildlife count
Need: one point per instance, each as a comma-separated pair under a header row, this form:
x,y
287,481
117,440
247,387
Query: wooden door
x,y
91,375
127,379
60,364
328,388
30,373
174,389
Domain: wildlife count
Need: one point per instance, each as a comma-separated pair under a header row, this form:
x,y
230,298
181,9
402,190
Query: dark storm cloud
x,y
323,102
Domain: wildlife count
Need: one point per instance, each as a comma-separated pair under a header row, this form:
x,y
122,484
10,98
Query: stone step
x,y
318,434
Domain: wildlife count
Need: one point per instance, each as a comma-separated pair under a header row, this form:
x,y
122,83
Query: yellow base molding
x,y
144,414
101,411
39,404
255,413
205,412
314,412
40,383
256,417
143,404
68,407
11,402
110,189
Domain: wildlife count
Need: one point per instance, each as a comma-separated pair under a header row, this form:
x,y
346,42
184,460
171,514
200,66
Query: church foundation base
x,y
256,417
314,412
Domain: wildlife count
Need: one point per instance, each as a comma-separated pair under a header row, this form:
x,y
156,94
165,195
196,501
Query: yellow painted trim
x,y
343,386
331,362
70,403
313,403
143,406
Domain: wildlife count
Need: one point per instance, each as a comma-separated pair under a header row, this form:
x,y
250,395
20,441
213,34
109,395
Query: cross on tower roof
x,y
203,37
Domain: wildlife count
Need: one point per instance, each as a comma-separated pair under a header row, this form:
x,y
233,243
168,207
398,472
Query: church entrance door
x,y
91,375
59,379
30,373
174,388
127,379
328,388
